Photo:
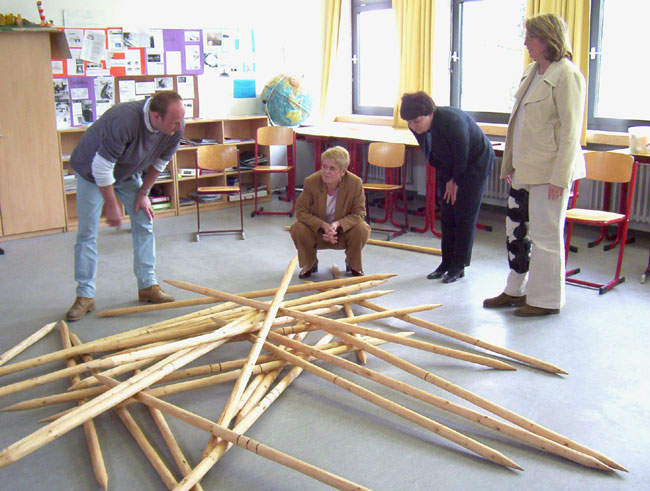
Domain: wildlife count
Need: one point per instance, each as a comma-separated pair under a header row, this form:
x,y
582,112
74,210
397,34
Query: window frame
x,y
595,45
359,6
456,68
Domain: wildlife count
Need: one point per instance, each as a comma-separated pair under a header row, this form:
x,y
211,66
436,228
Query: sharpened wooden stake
x,y
407,247
222,447
206,300
424,346
146,447
26,343
442,430
177,454
177,388
94,450
529,360
356,329
397,245
483,419
230,410
111,398
245,442
361,355
136,336
476,399
338,328
263,383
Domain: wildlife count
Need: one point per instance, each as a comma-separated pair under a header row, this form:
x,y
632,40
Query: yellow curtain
x,y
333,19
576,13
415,37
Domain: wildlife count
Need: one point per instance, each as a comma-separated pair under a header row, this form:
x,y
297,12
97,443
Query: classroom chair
x,y
391,157
213,161
608,168
276,136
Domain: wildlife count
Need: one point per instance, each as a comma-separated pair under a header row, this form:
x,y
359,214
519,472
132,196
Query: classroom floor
x,y
600,340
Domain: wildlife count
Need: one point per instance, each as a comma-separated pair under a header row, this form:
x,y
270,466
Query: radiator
x,y
497,188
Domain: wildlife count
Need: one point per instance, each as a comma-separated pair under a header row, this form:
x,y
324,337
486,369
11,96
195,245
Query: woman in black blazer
x,y
463,158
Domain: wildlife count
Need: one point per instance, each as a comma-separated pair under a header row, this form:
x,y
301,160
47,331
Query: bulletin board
x,y
133,88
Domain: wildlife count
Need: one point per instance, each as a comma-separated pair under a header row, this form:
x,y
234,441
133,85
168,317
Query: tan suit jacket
x,y
549,148
350,202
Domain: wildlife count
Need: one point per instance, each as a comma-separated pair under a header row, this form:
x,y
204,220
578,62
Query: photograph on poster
x,y
104,94
62,102
192,36
75,37
137,39
85,113
164,83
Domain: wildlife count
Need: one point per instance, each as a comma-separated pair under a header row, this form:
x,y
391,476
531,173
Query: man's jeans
x,y
89,208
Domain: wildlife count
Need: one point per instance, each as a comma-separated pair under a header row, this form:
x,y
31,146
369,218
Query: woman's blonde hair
x,y
552,29
338,155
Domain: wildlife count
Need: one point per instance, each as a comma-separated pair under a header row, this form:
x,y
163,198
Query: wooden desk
x,y
355,135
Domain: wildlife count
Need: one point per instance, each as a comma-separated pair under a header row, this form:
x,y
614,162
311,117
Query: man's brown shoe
x,y
154,294
532,311
79,308
504,300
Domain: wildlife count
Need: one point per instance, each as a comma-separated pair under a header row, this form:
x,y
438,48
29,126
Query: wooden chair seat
x,y
608,168
581,215
275,168
218,189
381,187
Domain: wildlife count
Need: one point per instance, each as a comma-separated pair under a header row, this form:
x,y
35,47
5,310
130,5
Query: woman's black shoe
x,y
438,273
352,272
306,273
452,276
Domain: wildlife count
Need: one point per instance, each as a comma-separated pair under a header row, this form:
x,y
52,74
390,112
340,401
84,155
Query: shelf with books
x,y
180,181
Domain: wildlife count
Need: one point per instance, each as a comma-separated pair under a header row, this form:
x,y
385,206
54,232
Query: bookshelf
x,y
181,182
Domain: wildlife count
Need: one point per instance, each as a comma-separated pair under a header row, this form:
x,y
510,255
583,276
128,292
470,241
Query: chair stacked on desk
x,y
608,168
276,136
218,159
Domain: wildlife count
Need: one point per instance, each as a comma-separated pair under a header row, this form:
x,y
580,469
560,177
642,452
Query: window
x,y
487,56
375,57
618,85
486,59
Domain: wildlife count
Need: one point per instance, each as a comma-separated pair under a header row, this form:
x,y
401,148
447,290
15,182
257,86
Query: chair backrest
x,y
384,154
275,135
217,157
609,166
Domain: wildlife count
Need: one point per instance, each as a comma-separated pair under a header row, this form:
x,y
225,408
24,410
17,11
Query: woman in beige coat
x,y
330,214
542,158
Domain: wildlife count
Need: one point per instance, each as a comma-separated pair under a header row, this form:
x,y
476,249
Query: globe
x,y
286,103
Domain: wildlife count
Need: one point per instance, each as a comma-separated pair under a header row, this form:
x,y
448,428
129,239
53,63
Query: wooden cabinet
x,y
31,190
180,183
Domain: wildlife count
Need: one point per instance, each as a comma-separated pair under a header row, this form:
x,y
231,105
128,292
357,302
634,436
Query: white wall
x,y
288,36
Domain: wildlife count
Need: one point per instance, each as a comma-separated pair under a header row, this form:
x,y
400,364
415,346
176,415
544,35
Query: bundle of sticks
x,y
150,361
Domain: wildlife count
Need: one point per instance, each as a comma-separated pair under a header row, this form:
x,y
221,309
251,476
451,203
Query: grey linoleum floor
x,y
601,341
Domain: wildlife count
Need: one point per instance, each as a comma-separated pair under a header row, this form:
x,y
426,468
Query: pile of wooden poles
x,y
150,362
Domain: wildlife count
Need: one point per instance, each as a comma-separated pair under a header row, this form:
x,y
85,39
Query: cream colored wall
x,y
288,35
